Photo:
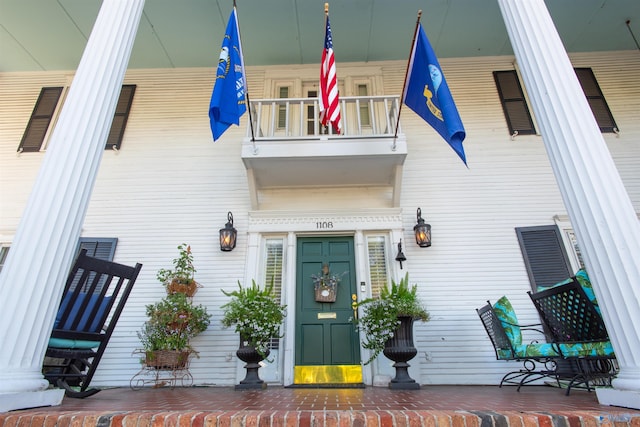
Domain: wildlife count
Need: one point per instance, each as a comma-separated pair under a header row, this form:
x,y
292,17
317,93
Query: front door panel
x,y
325,333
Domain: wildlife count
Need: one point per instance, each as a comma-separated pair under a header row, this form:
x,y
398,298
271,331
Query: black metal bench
x,y
578,333
93,299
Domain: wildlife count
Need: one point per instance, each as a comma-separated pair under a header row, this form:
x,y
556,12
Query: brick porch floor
x,y
455,406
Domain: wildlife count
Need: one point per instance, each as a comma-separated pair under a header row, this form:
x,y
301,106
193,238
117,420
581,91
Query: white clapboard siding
x,y
170,184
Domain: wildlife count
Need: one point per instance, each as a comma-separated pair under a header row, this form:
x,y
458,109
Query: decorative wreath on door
x,y
326,285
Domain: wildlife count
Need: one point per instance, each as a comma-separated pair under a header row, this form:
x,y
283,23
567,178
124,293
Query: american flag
x,y
328,100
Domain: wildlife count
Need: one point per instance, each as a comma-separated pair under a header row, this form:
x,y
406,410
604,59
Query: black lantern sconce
x,y
422,231
400,257
228,235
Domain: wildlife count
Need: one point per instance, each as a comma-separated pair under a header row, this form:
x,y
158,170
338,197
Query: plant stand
x,y
252,358
400,349
165,368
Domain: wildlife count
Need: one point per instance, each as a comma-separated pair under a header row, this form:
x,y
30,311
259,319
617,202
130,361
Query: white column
x,y
41,254
600,209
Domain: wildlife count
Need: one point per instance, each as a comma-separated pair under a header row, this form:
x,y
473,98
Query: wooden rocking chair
x,y
93,299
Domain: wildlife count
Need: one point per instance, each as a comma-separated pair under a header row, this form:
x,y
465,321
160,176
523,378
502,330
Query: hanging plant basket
x,y
177,286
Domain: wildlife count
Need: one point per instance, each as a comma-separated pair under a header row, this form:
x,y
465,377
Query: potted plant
x,y
257,315
166,335
387,324
181,277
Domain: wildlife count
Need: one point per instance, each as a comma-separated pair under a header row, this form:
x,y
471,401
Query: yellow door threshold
x,y
327,376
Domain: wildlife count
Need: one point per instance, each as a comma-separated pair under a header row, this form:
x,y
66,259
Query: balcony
x,y
289,148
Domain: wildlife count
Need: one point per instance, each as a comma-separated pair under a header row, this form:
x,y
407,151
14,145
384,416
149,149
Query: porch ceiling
x,y
40,35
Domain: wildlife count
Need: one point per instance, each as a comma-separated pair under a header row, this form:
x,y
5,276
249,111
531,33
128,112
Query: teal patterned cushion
x,y
583,279
507,316
536,350
587,349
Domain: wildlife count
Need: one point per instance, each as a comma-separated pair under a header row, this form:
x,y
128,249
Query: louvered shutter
x,y
101,248
513,102
378,272
596,100
544,255
40,119
116,133
273,272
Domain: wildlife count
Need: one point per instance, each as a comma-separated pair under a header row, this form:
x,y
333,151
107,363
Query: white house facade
x,y
289,185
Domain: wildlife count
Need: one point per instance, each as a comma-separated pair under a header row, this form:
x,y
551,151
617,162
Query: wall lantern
x,y
422,231
400,257
228,235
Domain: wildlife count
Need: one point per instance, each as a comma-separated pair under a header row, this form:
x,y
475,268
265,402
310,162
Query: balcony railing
x,y
297,118
290,149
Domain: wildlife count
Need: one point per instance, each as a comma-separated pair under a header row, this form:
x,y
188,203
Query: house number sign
x,y
322,225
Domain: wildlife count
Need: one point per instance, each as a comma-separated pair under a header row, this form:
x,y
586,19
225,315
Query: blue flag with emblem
x,y
427,93
228,100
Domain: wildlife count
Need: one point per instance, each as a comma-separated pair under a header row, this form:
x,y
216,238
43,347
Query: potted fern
x,y
387,324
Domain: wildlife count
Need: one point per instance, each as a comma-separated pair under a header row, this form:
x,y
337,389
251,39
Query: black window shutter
x,y
596,100
513,103
101,248
544,255
40,119
114,140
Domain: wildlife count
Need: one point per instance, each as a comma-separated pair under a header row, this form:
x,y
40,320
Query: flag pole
x,y
406,73
324,29
246,87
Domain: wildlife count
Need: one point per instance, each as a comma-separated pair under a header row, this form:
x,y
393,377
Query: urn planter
x,y
252,358
400,349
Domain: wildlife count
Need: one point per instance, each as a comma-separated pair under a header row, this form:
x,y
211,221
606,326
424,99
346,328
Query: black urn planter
x,y
252,358
400,349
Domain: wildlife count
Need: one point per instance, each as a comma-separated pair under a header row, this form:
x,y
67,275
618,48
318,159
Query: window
x,y
102,248
517,113
40,119
596,100
45,109
282,108
513,102
378,271
311,113
273,273
544,254
365,116
4,250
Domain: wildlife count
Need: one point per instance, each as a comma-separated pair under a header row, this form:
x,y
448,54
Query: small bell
x,y
400,257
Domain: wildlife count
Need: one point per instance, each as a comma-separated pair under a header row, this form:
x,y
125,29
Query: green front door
x,y
327,347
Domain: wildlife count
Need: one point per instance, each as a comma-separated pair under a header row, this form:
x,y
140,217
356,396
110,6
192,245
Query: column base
x,y
30,399
623,398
